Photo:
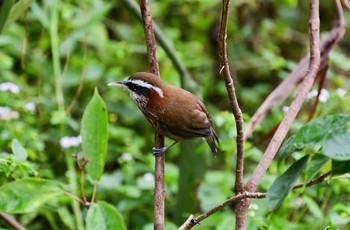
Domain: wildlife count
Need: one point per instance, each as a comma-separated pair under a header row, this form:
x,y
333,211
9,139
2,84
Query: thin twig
x,y
282,92
11,221
313,181
186,79
159,188
281,132
225,69
191,221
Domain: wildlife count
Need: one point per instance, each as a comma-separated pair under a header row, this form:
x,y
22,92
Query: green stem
x,y
72,178
55,55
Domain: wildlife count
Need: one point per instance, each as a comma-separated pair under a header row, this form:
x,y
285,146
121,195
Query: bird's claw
x,y
159,151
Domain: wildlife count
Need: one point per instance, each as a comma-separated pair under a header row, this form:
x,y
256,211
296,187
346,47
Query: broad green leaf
x,y
337,146
18,150
28,194
284,183
103,216
5,9
17,11
315,165
340,167
329,135
94,132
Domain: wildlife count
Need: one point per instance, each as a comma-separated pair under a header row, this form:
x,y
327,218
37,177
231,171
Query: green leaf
x,y
5,8
315,165
337,146
103,216
340,167
28,194
17,11
94,132
18,150
284,183
329,135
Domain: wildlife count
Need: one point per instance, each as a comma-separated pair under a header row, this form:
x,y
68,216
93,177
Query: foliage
x,y
56,60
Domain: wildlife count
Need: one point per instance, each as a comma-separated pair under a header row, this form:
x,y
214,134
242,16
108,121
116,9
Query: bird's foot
x,y
159,151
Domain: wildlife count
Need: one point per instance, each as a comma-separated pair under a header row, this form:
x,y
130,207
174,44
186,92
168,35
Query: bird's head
x,y
141,86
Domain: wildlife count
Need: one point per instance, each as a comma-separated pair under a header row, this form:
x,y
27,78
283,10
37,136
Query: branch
x,y
313,181
159,190
185,77
285,88
191,221
281,132
225,69
11,221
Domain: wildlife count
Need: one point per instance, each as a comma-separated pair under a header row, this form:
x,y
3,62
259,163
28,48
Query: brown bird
x,y
172,111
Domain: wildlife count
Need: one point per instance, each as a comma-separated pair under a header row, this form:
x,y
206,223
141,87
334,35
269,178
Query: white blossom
x,y
285,108
324,95
126,157
148,177
312,94
7,113
30,106
341,92
68,142
9,86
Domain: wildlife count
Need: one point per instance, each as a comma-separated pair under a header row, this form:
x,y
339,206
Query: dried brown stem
x,y
313,181
11,221
225,69
159,189
285,89
240,209
281,132
192,221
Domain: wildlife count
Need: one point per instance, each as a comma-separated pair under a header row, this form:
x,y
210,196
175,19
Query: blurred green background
x,y
54,53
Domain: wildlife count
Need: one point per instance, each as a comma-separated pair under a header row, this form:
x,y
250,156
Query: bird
x,y
172,111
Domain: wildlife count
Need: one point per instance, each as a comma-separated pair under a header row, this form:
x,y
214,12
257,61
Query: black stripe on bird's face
x,y
141,90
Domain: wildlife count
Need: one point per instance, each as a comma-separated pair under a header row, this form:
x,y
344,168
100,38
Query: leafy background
x,y
55,53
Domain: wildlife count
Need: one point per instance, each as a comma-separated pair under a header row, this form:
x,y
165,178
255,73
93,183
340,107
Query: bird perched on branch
x,y
172,111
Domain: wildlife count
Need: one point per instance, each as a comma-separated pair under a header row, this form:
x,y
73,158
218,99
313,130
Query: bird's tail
x,y
213,142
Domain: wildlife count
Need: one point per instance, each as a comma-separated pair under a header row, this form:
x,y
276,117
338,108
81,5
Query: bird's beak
x,y
117,83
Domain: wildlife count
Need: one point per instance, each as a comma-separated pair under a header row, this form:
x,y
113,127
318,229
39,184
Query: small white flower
x,y
324,95
148,177
285,108
126,157
68,142
7,113
341,92
312,94
9,86
30,106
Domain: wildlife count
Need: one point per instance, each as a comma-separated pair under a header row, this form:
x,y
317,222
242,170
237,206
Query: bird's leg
x,y
158,151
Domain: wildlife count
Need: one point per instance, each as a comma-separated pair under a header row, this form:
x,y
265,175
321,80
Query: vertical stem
x,y
72,180
72,176
159,188
55,55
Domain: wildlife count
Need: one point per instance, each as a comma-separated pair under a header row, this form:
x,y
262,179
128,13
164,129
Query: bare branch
x,y
11,221
159,190
281,132
225,69
191,221
285,88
